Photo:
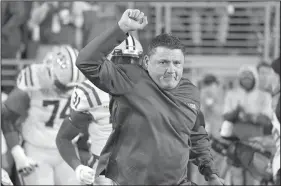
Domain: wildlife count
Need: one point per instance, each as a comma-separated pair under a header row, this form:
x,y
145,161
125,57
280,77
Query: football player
x,y
90,113
5,179
42,97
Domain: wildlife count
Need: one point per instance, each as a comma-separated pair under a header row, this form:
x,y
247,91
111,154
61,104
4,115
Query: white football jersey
x,y
47,107
86,97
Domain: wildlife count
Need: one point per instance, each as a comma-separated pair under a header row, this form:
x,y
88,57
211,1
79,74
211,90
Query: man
x,y
90,113
42,97
265,73
247,116
154,110
247,110
12,18
5,178
211,96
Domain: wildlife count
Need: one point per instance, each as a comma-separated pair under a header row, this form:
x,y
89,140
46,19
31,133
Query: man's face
x,y
247,80
165,66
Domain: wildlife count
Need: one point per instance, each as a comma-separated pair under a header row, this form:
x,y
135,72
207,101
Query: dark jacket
x,y
155,129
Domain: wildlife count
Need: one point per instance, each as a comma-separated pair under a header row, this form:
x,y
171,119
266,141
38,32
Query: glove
x,y
85,175
5,179
24,164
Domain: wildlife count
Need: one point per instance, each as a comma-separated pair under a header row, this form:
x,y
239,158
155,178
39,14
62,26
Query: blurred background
x,y
219,37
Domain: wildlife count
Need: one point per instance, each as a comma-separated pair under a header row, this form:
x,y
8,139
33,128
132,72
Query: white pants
x,y
51,170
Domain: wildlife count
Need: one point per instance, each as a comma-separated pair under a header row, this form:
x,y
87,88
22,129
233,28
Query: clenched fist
x,y
131,20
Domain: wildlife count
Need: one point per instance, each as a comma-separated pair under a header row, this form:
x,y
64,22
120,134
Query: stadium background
x,y
219,37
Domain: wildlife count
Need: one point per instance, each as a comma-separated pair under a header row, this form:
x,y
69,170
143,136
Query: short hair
x,y
210,79
166,40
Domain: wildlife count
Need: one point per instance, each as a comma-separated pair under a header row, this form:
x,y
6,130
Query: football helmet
x,y
128,52
49,57
61,62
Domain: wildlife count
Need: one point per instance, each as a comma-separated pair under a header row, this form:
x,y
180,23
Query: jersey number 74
x,y
56,104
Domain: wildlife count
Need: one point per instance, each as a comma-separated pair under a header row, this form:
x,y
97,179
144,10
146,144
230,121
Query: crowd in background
x,y
28,26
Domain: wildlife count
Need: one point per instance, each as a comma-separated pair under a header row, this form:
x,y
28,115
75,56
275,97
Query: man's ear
x,y
145,61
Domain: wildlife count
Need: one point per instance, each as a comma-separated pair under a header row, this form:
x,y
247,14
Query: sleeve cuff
x,y
121,35
207,171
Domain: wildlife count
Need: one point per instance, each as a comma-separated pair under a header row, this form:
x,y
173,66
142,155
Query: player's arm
x,y
15,106
92,62
72,126
78,122
200,148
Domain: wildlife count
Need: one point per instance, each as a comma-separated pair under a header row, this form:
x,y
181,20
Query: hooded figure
x,y
247,110
247,116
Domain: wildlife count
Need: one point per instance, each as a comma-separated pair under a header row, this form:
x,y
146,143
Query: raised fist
x,y
131,20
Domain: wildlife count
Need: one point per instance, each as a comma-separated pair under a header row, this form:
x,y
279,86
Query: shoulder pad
x,y
34,77
84,97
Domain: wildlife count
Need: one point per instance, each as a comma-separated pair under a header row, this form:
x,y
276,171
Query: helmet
x,y
63,67
49,57
128,52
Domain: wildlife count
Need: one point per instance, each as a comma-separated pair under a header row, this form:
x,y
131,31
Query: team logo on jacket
x,y
192,105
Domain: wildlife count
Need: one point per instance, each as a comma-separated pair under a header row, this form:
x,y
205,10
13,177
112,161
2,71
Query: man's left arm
x,y
200,153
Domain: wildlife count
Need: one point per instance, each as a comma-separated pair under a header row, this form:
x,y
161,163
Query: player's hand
x,y
85,175
25,165
131,20
215,180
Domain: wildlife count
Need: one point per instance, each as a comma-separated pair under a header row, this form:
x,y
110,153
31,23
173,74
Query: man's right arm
x,y
92,62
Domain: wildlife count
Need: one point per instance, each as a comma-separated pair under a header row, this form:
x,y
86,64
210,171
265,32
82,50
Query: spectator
x,y
247,114
211,103
265,73
12,17
29,45
53,23
249,107
57,27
